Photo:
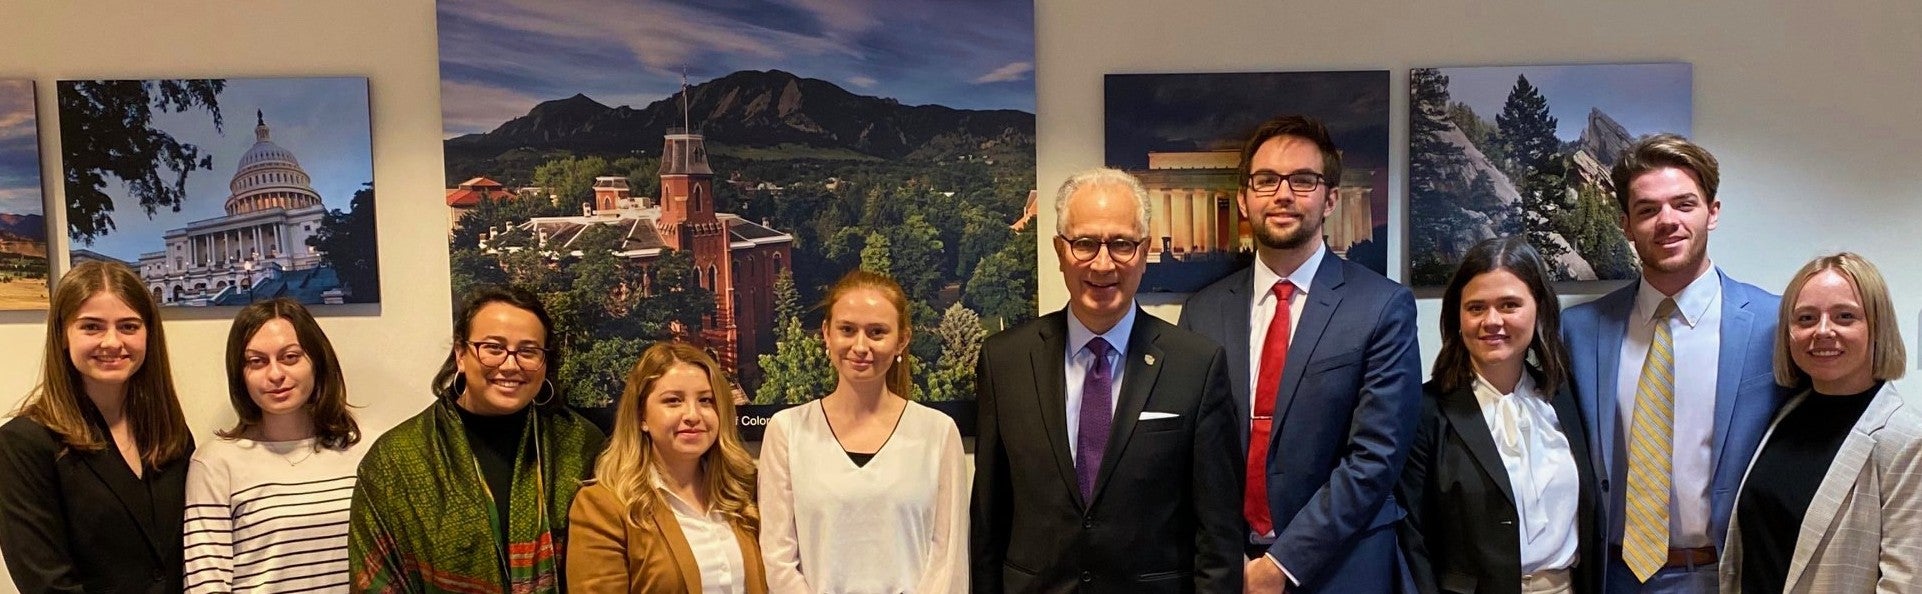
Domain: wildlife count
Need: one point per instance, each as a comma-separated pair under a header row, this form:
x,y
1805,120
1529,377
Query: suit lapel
x,y
112,471
1323,297
750,555
1236,326
1137,382
677,546
1612,329
1840,480
1465,416
1736,319
1049,362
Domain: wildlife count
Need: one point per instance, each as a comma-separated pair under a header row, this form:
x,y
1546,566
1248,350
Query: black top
x,y
74,521
496,441
1792,464
860,459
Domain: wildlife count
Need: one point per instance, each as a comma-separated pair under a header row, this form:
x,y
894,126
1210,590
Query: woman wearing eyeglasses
x,y
472,494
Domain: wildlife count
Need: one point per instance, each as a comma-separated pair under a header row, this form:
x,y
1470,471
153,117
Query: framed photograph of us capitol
x,y
221,192
1182,135
703,172
1527,150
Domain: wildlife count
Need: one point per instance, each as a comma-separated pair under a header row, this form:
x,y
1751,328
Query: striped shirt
x,y
268,516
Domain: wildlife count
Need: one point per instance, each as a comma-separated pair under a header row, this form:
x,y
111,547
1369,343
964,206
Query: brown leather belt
x,y
1696,557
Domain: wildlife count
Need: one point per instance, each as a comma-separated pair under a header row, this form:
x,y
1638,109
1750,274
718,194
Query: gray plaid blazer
x,y
1863,531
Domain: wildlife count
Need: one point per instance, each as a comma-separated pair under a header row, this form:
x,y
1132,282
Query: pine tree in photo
x,y
1434,178
798,370
1534,161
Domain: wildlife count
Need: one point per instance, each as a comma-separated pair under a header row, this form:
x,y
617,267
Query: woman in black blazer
x,y
93,467
1499,491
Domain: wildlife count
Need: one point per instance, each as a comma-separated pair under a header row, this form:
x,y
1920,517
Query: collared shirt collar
x,y
1079,334
674,500
1265,277
1692,302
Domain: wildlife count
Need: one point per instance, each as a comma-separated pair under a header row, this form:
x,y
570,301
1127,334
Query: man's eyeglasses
x,y
1266,183
494,354
1121,249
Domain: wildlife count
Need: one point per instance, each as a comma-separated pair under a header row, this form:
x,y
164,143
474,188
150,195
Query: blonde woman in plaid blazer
x,y
1859,529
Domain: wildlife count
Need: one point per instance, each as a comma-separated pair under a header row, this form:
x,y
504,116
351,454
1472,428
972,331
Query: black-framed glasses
x,y
1121,249
1266,183
494,354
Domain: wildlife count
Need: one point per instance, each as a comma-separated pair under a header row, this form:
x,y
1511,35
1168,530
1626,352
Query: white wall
x,y
1813,110
389,352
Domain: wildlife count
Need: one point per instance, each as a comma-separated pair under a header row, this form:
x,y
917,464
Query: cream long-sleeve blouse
x,y
897,525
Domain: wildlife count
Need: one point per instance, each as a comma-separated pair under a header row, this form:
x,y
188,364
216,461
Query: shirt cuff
x,y
1292,582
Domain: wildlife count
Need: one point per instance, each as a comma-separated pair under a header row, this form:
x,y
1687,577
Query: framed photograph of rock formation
x,y
701,172
1527,150
23,223
1182,135
221,192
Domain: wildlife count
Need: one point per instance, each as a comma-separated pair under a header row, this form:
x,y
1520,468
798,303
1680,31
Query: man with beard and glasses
x,y
1673,376
1326,373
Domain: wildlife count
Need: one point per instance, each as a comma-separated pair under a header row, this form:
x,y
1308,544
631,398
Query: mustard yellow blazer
x,y
608,553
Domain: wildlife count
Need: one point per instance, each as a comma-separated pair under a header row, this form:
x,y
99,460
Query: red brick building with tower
x,y
734,258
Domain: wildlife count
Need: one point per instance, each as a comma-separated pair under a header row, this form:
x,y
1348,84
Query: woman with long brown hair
x,y
93,467
267,500
864,491
673,509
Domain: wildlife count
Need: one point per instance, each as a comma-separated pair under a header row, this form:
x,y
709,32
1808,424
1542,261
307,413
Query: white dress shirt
x,y
1697,333
1541,471
717,552
1261,311
1081,363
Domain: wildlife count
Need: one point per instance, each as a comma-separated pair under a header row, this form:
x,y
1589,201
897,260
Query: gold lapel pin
x,y
1149,359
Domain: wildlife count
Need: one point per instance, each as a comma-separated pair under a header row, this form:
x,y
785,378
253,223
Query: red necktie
x,y
1274,357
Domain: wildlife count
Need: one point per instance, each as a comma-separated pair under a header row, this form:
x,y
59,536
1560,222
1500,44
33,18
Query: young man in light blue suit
x,y
1686,349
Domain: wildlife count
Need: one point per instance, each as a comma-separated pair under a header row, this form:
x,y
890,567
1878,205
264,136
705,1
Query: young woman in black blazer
x,y
1498,488
93,467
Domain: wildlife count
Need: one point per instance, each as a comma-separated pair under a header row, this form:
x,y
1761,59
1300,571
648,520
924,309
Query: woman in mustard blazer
x,y
673,510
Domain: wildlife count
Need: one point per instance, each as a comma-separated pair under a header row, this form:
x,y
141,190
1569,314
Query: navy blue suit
x,y
1344,419
1745,398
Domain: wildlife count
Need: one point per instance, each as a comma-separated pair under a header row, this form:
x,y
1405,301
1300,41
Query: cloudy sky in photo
x,y
501,57
19,150
322,121
1644,98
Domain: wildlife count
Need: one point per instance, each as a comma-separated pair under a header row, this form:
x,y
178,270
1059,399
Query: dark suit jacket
x,y
82,522
1746,396
1350,396
1460,533
1164,516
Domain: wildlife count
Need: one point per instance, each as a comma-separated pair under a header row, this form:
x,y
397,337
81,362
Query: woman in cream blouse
x,y
673,509
864,491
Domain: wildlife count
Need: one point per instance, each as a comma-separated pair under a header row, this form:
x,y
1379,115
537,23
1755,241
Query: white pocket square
x,y
1149,415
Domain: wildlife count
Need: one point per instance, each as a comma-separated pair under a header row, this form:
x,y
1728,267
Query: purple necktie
x,y
1097,417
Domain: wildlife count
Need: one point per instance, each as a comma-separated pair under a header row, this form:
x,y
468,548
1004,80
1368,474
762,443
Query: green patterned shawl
x,y
423,522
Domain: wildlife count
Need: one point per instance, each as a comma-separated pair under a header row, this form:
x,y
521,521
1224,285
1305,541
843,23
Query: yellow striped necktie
x,y
1650,453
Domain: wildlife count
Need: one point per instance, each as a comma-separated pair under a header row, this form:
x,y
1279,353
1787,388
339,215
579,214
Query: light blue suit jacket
x,y
1746,396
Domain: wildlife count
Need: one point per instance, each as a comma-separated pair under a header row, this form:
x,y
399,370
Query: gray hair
x,y
1096,177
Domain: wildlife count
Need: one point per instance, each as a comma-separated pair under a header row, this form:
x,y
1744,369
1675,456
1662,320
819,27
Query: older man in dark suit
x,y
1327,378
1105,460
